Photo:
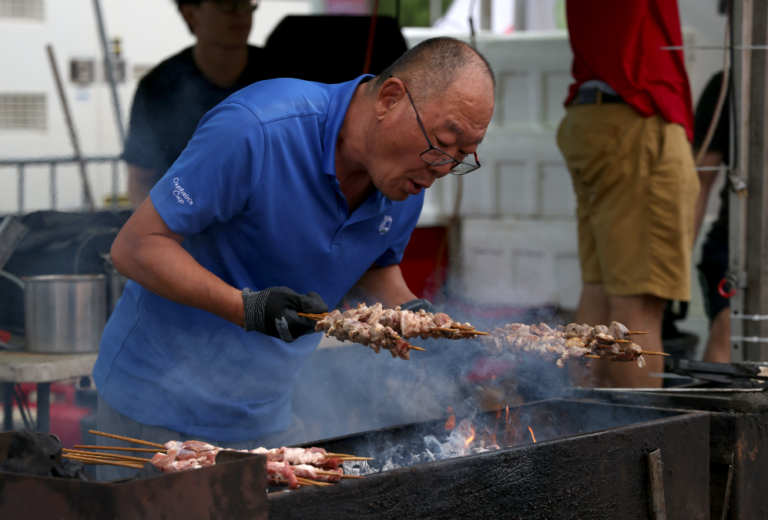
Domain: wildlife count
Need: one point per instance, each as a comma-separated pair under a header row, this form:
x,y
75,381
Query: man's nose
x,y
440,171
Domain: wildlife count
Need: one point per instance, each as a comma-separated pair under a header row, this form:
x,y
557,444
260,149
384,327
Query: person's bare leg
x,y
719,343
641,313
593,310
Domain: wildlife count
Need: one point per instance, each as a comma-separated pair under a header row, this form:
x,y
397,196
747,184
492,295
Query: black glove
x,y
419,304
273,312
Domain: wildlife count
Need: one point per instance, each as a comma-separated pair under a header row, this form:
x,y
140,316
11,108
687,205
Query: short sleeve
x,y
705,111
214,177
394,253
142,146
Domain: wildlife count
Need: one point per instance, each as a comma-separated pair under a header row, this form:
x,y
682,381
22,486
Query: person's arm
x,y
140,181
706,180
385,285
150,254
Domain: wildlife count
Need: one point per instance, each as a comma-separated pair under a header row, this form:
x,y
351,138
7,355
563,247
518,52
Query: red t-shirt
x,y
620,42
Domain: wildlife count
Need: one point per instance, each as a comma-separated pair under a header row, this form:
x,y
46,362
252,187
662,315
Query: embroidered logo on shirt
x,y
385,224
180,194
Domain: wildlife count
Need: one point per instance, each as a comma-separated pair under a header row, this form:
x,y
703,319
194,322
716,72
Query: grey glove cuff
x,y
254,304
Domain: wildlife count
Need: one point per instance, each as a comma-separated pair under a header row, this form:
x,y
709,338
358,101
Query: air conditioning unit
x,y
82,71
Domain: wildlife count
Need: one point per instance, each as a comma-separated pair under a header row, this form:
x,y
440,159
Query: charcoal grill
x,y
738,437
228,489
590,462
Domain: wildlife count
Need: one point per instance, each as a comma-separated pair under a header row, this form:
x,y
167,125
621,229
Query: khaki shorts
x,y
636,189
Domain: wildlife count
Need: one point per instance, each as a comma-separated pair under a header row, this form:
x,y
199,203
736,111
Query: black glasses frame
x,y
232,6
468,168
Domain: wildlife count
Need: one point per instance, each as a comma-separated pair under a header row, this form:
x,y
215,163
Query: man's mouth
x,y
414,188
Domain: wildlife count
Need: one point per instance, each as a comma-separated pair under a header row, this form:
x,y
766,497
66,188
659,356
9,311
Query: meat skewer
x,y
409,324
573,341
389,329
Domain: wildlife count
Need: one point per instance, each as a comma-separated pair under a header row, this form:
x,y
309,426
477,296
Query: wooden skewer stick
x,y
127,439
652,353
636,332
591,356
107,456
97,462
622,341
317,317
480,333
352,476
309,482
346,459
114,448
416,348
457,325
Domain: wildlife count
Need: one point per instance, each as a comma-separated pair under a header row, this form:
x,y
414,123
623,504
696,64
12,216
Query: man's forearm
x,y
385,285
157,261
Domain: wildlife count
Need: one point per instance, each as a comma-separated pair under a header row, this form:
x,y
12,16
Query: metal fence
x,y
53,163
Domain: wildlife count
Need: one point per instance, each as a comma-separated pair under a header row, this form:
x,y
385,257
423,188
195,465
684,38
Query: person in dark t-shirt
x,y
171,99
714,254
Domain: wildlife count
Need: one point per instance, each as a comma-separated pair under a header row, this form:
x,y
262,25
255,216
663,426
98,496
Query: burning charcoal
x,y
72,469
31,453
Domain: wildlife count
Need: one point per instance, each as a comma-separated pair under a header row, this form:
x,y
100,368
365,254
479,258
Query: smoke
x,y
348,389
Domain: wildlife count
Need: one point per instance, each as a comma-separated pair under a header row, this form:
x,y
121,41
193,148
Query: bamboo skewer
x,y
115,448
96,462
106,456
636,332
127,439
652,353
455,328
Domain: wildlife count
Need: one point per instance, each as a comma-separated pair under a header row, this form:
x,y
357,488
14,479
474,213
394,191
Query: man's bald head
x,y
433,65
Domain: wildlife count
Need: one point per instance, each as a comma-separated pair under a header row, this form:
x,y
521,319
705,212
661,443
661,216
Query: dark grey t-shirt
x,y
171,100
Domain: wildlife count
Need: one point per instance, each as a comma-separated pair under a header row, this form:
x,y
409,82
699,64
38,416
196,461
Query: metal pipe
x,y
52,185
114,184
7,407
44,407
20,189
110,72
72,133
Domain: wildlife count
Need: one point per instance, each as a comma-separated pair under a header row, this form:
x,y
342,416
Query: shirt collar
x,y
337,111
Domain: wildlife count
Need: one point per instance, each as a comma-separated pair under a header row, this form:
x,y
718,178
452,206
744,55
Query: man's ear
x,y
390,94
189,13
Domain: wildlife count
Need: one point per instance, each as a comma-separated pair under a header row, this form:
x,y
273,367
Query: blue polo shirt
x,y
256,198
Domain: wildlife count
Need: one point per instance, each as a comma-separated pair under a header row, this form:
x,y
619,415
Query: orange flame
x,y
532,435
470,438
507,413
498,413
450,424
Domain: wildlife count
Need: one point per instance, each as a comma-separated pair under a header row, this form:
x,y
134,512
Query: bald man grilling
x,y
289,194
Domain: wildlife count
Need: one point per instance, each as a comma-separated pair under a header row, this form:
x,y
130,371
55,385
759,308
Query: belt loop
x,y
599,97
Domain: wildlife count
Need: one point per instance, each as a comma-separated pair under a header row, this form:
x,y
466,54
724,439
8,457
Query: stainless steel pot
x,y
65,313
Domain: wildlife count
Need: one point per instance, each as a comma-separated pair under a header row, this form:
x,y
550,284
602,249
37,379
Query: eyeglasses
x,y
232,6
435,156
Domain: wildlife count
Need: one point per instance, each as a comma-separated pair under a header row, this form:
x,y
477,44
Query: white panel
x,y
558,198
480,192
555,91
518,186
568,279
515,99
532,278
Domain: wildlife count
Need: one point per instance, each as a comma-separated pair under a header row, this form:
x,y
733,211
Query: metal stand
x,y
748,232
44,407
7,407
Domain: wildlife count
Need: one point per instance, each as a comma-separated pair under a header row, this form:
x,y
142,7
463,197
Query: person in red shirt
x,y
626,141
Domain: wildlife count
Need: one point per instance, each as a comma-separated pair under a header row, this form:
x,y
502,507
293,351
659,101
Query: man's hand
x,y
274,311
418,305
